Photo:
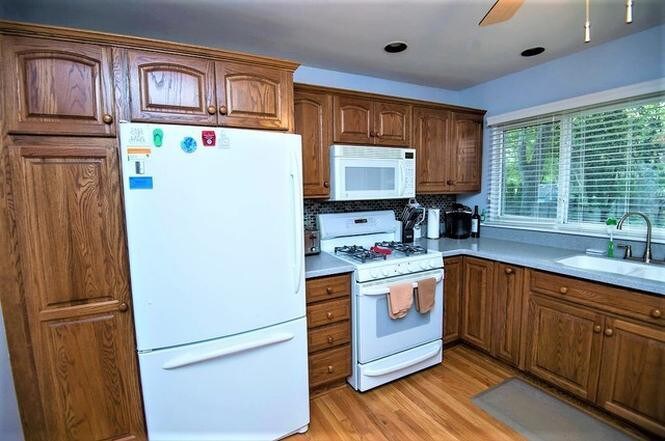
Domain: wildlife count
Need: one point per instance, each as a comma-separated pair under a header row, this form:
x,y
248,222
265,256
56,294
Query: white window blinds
x,y
575,169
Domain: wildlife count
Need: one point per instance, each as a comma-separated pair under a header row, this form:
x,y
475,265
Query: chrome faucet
x,y
646,258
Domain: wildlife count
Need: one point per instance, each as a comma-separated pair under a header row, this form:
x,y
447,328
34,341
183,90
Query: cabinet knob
x,y
107,118
450,182
330,369
372,134
212,110
508,270
329,315
609,332
596,329
563,290
326,184
656,313
377,134
331,340
222,110
123,307
329,290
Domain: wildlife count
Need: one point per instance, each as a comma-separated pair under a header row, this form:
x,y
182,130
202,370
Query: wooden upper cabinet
x,y
632,373
466,152
564,345
70,235
171,88
353,120
392,124
431,139
254,96
57,87
452,298
477,302
313,121
506,317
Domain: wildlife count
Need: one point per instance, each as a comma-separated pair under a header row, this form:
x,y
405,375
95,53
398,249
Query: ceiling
x,y
447,48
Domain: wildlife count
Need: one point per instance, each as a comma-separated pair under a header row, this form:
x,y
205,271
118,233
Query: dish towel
x,y
425,295
400,300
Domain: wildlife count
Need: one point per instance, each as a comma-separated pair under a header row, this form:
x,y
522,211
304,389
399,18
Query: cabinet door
x,y
57,87
452,294
431,139
76,286
632,379
477,302
466,152
171,88
253,96
506,319
392,124
564,345
353,120
313,121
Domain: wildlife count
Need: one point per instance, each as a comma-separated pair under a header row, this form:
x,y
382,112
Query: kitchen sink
x,y
617,266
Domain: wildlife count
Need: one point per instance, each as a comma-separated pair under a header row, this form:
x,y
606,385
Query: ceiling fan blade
x,y
502,10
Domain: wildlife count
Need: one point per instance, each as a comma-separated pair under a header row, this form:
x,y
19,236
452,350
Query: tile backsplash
x,y
313,207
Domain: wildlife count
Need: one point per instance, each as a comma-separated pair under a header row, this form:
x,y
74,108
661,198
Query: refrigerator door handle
x,y
296,211
189,359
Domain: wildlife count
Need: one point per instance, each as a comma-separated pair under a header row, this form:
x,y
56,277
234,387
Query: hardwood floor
x,y
434,404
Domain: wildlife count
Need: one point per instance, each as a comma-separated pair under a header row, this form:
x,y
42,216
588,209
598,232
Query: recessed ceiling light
x,y
532,51
395,46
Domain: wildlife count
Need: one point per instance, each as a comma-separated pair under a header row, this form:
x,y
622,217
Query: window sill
x,y
618,235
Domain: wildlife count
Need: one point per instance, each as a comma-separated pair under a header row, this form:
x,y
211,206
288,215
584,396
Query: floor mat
x,y
540,416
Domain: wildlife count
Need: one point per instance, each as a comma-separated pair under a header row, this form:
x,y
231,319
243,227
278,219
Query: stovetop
x,y
359,253
380,251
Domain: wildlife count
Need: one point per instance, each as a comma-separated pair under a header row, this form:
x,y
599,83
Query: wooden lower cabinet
x,y
328,331
477,302
507,312
452,294
565,343
632,374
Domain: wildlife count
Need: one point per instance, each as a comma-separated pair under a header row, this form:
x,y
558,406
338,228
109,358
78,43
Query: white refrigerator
x,y
215,233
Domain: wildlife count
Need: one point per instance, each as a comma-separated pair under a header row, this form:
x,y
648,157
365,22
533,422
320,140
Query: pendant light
x,y
587,25
629,11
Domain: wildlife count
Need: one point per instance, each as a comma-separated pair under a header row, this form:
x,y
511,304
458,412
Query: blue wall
x,y
633,59
10,424
342,80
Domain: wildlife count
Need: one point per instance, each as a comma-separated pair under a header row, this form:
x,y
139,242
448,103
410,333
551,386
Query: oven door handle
x,y
379,290
403,365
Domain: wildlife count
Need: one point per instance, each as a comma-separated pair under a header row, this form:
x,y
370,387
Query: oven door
x,y
378,335
361,179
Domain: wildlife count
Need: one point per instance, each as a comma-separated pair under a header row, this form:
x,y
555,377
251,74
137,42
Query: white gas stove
x,y
385,349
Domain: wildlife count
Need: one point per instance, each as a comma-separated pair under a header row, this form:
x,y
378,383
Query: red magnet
x,y
208,138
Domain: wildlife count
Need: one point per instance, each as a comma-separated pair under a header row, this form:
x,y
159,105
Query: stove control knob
x,y
374,274
401,269
423,265
386,272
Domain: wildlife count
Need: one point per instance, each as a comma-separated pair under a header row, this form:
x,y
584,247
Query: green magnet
x,y
157,137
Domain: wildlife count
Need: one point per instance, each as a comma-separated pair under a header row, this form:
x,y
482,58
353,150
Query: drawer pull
x,y
563,290
609,332
330,369
107,118
329,315
656,313
329,290
596,329
331,340
508,271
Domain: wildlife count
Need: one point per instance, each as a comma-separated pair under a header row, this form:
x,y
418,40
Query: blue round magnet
x,y
188,144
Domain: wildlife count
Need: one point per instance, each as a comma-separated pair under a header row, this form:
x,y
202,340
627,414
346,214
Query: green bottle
x,y
611,226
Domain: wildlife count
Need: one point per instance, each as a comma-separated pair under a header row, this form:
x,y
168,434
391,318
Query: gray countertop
x,y
516,253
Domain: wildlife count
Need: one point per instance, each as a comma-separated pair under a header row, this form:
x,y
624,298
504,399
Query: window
x,y
573,170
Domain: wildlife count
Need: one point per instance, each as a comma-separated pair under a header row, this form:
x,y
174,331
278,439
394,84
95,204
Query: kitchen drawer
x,y
326,288
328,336
328,366
633,304
328,312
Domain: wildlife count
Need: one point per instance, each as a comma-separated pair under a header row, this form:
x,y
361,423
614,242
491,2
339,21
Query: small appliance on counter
x,y
457,220
312,242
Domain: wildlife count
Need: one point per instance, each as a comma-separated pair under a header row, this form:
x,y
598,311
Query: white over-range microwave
x,y
364,172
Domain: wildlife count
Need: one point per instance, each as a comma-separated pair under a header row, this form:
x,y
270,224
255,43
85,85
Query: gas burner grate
x,y
359,253
406,249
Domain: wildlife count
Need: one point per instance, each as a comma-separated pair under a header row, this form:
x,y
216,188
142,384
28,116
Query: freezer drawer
x,y
251,386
